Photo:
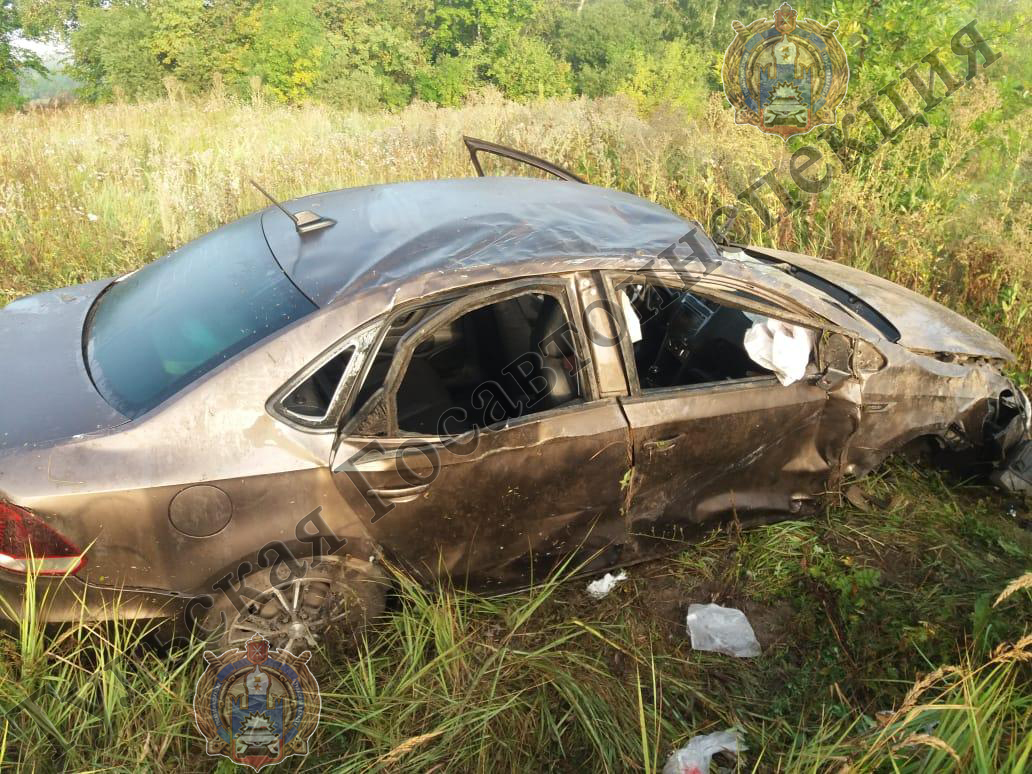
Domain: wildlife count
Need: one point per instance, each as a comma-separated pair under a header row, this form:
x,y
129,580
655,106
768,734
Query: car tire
x,y
333,602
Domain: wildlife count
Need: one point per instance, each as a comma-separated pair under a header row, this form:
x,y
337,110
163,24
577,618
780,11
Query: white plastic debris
x,y
722,630
599,589
694,757
780,347
631,316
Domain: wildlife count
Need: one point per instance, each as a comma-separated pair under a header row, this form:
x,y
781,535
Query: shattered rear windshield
x,y
161,328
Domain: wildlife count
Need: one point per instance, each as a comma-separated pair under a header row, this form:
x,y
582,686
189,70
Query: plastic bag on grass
x,y
722,630
694,757
599,589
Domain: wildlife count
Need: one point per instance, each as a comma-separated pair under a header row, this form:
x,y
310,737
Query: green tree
x,y
284,44
450,78
112,53
675,75
459,24
525,67
14,61
182,33
410,17
40,18
603,42
371,64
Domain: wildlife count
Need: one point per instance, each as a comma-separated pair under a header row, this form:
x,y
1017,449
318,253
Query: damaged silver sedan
x,y
472,379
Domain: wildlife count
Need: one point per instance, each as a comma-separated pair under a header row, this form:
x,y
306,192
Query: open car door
x,y
475,146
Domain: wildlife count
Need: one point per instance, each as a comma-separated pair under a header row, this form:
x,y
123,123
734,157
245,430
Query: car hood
x,y
923,324
45,391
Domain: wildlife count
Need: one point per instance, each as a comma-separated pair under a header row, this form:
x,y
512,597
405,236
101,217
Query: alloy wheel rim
x,y
290,615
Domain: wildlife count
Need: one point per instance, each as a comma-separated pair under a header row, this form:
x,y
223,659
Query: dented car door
x,y
743,448
716,453
495,506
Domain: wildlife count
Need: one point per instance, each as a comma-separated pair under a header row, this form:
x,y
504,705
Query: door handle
x,y
403,494
660,445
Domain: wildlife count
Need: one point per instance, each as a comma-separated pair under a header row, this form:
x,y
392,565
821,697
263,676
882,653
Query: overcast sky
x,y
48,52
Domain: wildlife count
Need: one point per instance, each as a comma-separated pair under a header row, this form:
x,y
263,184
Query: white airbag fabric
x,y
631,316
780,347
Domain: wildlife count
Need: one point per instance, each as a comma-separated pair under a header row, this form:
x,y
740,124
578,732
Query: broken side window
x,y
380,362
493,364
681,339
314,396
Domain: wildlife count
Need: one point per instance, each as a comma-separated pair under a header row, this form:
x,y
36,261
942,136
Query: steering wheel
x,y
674,357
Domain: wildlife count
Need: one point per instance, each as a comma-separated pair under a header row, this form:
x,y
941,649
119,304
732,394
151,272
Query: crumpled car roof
x,y
390,232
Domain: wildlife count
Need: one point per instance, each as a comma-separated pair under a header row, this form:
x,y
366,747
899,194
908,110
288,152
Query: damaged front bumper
x,y
1015,474
1010,434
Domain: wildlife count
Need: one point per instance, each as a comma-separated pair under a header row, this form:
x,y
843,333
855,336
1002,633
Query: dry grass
x,y
858,605
87,192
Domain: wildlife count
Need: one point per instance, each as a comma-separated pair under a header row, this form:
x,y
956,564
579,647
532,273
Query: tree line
x,y
385,53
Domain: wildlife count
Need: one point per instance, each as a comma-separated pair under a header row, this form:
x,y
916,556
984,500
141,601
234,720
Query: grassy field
x,y
884,645
87,192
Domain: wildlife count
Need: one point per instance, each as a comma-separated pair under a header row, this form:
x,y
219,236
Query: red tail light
x,y
27,543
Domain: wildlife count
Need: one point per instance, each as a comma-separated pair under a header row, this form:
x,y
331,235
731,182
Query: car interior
x,y
495,363
314,396
686,339
505,360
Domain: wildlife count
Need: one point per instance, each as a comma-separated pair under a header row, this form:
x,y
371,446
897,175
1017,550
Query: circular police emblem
x,y
785,76
257,706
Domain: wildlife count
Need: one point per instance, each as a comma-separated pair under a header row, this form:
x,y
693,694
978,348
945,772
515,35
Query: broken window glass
x,y
680,338
493,364
380,363
314,396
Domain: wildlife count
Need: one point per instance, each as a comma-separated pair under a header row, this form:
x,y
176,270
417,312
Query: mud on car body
x,y
471,378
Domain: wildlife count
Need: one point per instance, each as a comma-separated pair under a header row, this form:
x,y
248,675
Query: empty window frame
x,y
680,338
313,398
494,363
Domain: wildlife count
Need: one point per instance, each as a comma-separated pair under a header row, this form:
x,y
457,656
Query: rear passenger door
x,y
716,437
471,461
